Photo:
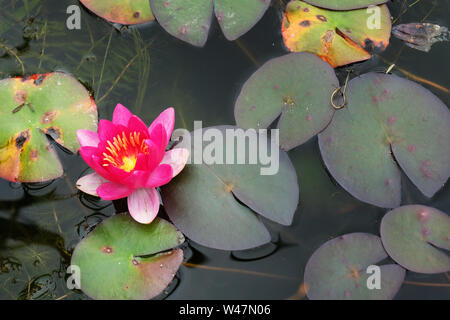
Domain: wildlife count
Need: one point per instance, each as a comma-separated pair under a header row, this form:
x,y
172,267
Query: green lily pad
x,y
338,37
201,200
123,259
121,11
338,270
388,122
238,17
298,86
53,104
345,4
411,235
190,20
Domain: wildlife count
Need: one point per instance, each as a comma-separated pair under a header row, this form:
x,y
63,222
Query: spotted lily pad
x,y
338,37
388,124
338,270
411,235
121,11
123,259
216,205
53,104
345,4
298,86
190,20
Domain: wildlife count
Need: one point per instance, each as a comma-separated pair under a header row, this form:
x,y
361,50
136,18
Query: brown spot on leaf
x,y
34,154
23,137
305,23
322,18
107,250
49,117
135,262
136,15
20,96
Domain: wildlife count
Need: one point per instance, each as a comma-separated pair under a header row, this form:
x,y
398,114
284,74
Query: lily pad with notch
x,y
123,259
338,270
190,20
298,86
338,37
127,12
390,124
217,205
53,104
413,236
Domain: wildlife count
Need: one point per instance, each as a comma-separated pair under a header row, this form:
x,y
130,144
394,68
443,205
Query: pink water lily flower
x,y
130,160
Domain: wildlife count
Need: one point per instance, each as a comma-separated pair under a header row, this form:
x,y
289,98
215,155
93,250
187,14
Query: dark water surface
x,y
147,70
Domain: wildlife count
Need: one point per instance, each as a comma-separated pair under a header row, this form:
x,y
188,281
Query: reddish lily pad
x,y
345,4
338,37
55,104
201,200
121,11
298,86
238,17
190,20
338,270
412,235
123,259
388,122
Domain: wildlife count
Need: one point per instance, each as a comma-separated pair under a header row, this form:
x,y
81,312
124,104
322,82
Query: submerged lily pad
x,y
190,20
121,11
55,104
388,122
411,235
123,259
338,37
298,86
216,205
338,270
345,4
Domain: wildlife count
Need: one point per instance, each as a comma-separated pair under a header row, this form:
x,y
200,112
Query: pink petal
x,y
160,176
121,115
177,159
137,179
89,183
87,138
106,130
143,205
159,137
155,154
167,120
87,153
113,191
137,125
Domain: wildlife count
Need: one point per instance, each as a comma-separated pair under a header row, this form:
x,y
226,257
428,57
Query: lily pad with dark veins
x,y
298,86
53,104
123,259
390,124
121,11
345,4
217,205
413,235
338,270
338,37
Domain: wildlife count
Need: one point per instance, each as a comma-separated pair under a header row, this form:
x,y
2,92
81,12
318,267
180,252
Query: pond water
x,y
147,70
